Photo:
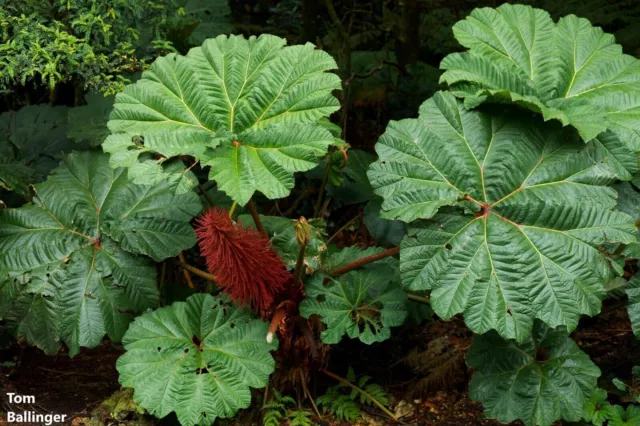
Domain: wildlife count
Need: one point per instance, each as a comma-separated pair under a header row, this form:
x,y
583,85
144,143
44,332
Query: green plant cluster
x,y
96,44
599,411
511,200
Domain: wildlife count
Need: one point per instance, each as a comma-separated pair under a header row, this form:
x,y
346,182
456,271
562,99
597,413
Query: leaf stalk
x,y
365,260
256,217
198,272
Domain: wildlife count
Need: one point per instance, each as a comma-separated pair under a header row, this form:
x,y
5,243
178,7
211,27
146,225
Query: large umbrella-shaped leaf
x,y
362,304
530,211
569,71
249,109
74,254
544,379
198,358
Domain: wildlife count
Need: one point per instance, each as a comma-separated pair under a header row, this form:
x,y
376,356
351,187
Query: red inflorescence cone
x,y
245,265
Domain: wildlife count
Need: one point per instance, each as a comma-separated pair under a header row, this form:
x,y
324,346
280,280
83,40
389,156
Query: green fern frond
x,y
300,418
377,393
272,418
326,401
345,408
276,409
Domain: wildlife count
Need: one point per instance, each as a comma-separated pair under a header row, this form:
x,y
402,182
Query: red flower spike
x,y
245,265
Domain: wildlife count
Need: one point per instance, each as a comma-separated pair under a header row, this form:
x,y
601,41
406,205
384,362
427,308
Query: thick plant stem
x,y
308,394
206,195
256,217
308,24
187,274
163,271
361,262
233,209
297,273
417,298
318,207
198,272
361,391
308,335
336,20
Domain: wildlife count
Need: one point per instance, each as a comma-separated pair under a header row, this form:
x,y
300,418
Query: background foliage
x,y
123,120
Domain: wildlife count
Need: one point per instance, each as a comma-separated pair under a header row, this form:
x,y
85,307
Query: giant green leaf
x,y
27,305
530,209
544,379
633,308
362,304
387,232
248,109
569,71
198,358
629,202
354,187
73,256
89,122
31,142
620,417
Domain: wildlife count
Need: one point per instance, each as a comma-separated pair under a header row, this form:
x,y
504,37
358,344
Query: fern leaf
x,y
377,392
345,408
300,418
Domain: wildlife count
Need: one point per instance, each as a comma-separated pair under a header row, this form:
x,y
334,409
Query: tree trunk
x,y
409,48
309,24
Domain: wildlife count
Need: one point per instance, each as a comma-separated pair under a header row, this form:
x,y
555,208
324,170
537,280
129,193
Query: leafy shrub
x,y
276,409
508,214
300,418
96,43
599,411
